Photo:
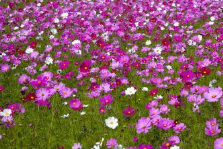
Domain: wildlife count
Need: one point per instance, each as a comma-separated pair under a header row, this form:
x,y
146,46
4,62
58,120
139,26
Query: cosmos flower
x,y
178,128
143,125
218,143
75,104
6,112
130,91
129,111
213,94
49,60
165,124
111,143
42,94
77,146
145,146
106,99
111,122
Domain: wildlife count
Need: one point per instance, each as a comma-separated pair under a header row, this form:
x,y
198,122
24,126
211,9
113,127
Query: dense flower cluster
x,y
114,52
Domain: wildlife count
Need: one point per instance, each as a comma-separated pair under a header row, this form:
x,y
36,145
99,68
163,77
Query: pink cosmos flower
x,y
153,112
213,94
218,143
77,146
178,128
42,94
111,143
65,92
75,104
64,64
145,146
174,139
5,67
165,124
212,128
211,131
23,79
164,108
143,125
106,99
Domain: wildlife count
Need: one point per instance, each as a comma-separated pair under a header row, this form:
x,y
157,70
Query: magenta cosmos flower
x,y
111,143
178,128
213,94
75,104
145,146
218,143
187,76
64,64
85,66
129,111
143,125
165,124
106,99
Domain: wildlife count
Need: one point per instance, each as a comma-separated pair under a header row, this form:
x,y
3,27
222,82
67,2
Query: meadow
x,y
100,74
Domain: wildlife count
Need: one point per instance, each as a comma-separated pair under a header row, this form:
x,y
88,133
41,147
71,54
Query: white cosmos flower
x,y
148,42
175,147
176,24
83,113
211,23
54,31
199,37
64,15
131,50
29,50
158,50
6,112
159,97
169,67
56,20
65,115
85,106
130,91
49,61
76,41
212,18
145,89
111,122
64,103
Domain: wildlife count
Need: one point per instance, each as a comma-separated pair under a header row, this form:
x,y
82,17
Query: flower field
x,y
119,74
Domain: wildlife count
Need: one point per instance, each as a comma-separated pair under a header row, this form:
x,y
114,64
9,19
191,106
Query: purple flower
x,y
42,94
174,139
218,143
129,111
75,104
165,124
213,94
153,112
180,127
211,131
111,143
106,99
77,146
65,92
145,146
23,79
5,67
143,125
